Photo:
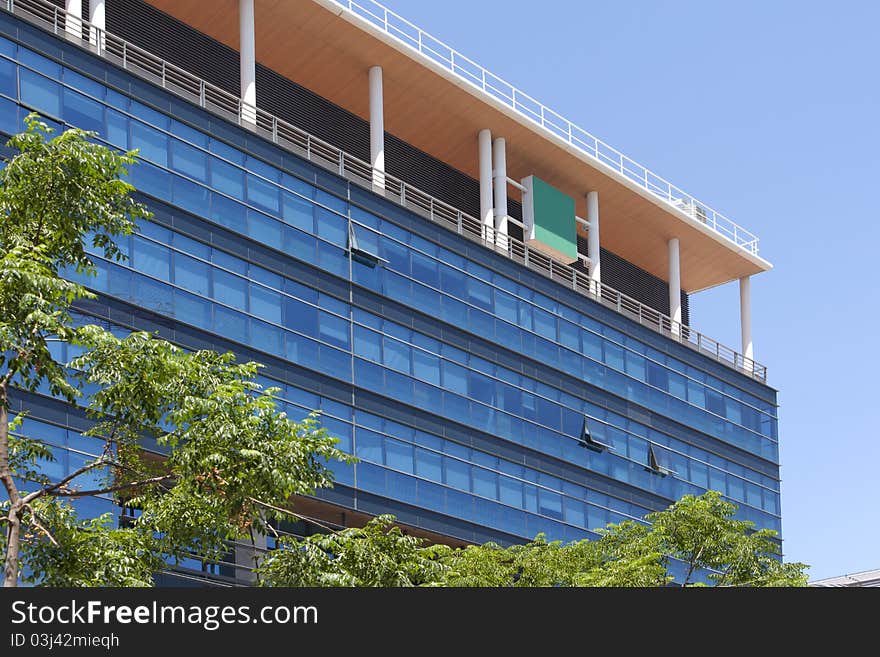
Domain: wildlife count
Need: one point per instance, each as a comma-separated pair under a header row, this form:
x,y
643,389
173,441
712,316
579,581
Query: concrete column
x,y
248,556
247,61
499,154
745,315
593,243
377,128
674,287
73,22
487,211
97,18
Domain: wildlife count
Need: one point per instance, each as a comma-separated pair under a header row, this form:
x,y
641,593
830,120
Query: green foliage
x,y
379,554
59,191
231,459
702,532
65,551
698,530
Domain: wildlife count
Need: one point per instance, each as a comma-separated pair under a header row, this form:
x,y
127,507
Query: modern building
x,y
488,304
854,580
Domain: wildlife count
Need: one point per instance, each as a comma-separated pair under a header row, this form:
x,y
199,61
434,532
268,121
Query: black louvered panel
x,y
174,41
635,282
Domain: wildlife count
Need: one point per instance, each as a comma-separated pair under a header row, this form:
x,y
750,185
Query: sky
x,y
768,111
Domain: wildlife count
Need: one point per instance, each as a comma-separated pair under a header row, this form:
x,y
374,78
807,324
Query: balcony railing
x,y
217,101
476,76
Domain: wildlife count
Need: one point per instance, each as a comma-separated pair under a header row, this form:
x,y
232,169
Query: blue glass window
x,y
398,455
369,445
333,329
192,274
192,310
189,196
426,367
367,343
40,93
227,178
7,78
230,289
485,483
715,403
331,226
264,229
300,316
456,473
230,324
152,144
151,294
151,258
262,194
429,464
116,128
265,303
396,355
82,112
189,160
227,212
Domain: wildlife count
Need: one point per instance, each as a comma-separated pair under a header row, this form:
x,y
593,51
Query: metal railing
x,y
194,89
525,105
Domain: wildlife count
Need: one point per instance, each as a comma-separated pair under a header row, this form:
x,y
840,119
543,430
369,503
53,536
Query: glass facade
x,y
258,254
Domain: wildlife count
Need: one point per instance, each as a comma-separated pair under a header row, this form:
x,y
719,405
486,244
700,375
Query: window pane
x,y
396,355
151,258
7,78
153,144
82,112
485,483
398,455
227,178
456,473
333,329
40,93
265,303
369,445
190,196
192,274
426,367
262,194
189,160
230,289
367,343
429,464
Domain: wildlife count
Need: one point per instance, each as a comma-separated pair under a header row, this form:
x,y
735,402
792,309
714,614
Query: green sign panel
x,y
549,220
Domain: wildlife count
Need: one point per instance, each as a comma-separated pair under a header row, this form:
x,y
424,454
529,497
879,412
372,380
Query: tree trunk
x,y
13,540
13,528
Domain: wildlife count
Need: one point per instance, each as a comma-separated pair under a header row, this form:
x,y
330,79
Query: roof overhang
x,y
329,51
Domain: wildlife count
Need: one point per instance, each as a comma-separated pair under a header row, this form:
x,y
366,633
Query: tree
x,y
702,532
232,459
699,531
378,554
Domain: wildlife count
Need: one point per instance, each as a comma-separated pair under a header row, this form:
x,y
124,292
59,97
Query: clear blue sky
x,y
769,111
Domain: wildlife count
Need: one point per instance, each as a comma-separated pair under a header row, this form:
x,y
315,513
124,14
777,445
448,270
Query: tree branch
x,y
39,524
290,513
54,487
113,489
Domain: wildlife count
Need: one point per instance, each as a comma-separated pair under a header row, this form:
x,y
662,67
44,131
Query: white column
x,y
97,19
377,128
487,212
247,61
745,316
73,22
499,154
674,287
593,242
